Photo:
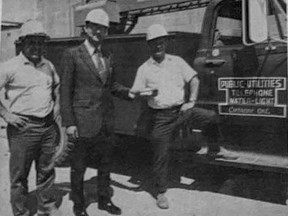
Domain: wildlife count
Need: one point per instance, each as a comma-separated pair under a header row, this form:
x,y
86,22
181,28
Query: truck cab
x,y
246,81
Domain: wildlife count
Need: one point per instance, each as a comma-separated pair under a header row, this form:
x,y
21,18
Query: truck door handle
x,y
214,62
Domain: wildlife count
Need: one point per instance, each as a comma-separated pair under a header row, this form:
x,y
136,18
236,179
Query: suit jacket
x,y
86,101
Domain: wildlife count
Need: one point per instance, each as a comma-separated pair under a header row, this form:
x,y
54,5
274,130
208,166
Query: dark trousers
x,y
164,122
36,142
100,148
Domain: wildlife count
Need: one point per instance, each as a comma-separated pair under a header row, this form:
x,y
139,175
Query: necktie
x,y
100,66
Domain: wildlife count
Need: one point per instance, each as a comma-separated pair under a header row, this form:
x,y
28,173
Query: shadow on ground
x,y
133,157
58,191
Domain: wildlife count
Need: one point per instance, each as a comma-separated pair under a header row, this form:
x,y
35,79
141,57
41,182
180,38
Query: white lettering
x,y
264,111
241,110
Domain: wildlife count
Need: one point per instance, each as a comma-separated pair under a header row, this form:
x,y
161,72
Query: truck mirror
x,y
255,27
255,21
258,28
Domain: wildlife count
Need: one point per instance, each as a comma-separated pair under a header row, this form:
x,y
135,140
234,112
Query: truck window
x,y
228,24
274,30
228,33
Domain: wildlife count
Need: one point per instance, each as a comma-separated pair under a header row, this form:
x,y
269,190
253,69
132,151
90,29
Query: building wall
x,y
15,11
8,38
56,16
18,11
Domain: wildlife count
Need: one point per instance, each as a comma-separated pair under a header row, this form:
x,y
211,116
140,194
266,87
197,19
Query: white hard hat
x,y
98,16
31,28
156,31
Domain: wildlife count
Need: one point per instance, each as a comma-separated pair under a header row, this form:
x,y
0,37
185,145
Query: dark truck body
x,y
246,86
129,52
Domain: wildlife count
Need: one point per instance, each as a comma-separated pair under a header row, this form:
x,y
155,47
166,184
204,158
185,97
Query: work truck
x,y
240,54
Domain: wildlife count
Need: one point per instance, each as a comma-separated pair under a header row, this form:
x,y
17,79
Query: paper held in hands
x,y
147,92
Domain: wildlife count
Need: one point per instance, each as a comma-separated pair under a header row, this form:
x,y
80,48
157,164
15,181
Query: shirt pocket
x,y
153,81
176,78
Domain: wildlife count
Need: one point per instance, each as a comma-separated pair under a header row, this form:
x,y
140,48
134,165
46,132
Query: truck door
x,y
247,85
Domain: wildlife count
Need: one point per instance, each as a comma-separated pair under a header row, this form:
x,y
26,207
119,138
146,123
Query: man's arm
x,y
194,86
117,89
191,78
55,91
12,119
66,95
9,117
57,102
67,89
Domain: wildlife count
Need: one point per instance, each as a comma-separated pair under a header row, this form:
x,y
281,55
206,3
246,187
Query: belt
x,y
172,109
48,118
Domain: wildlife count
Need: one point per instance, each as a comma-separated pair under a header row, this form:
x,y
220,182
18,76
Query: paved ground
x,y
194,190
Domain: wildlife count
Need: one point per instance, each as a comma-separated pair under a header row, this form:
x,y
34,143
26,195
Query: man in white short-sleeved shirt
x,y
163,79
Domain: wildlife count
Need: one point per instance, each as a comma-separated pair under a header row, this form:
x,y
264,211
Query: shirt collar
x,y
90,48
26,61
167,57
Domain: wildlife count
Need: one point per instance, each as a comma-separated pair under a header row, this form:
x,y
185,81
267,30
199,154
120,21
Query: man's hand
x,y
145,93
131,94
187,106
15,120
72,132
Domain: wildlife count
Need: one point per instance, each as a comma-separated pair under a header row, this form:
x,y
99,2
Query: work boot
x,y
79,210
54,212
162,201
105,203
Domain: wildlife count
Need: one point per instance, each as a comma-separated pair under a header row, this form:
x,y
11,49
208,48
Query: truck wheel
x,y
62,155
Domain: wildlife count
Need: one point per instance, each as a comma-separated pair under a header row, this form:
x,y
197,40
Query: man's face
x,y
96,33
158,48
33,47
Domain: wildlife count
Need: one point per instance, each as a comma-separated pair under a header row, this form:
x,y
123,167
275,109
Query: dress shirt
x,y
98,60
168,77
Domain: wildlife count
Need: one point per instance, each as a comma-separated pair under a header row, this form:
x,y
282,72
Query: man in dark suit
x,y
87,109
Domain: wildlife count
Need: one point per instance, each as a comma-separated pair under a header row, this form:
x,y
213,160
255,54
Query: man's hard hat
x,y
98,16
32,28
155,31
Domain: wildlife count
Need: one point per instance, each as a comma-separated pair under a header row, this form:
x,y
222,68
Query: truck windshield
x,y
189,20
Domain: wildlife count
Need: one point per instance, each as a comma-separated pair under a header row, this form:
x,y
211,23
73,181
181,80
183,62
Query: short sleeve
x,y
187,71
4,75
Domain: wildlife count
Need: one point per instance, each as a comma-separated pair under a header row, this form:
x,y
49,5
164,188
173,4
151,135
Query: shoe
x,y
162,201
80,213
107,205
220,155
55,212
47,214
